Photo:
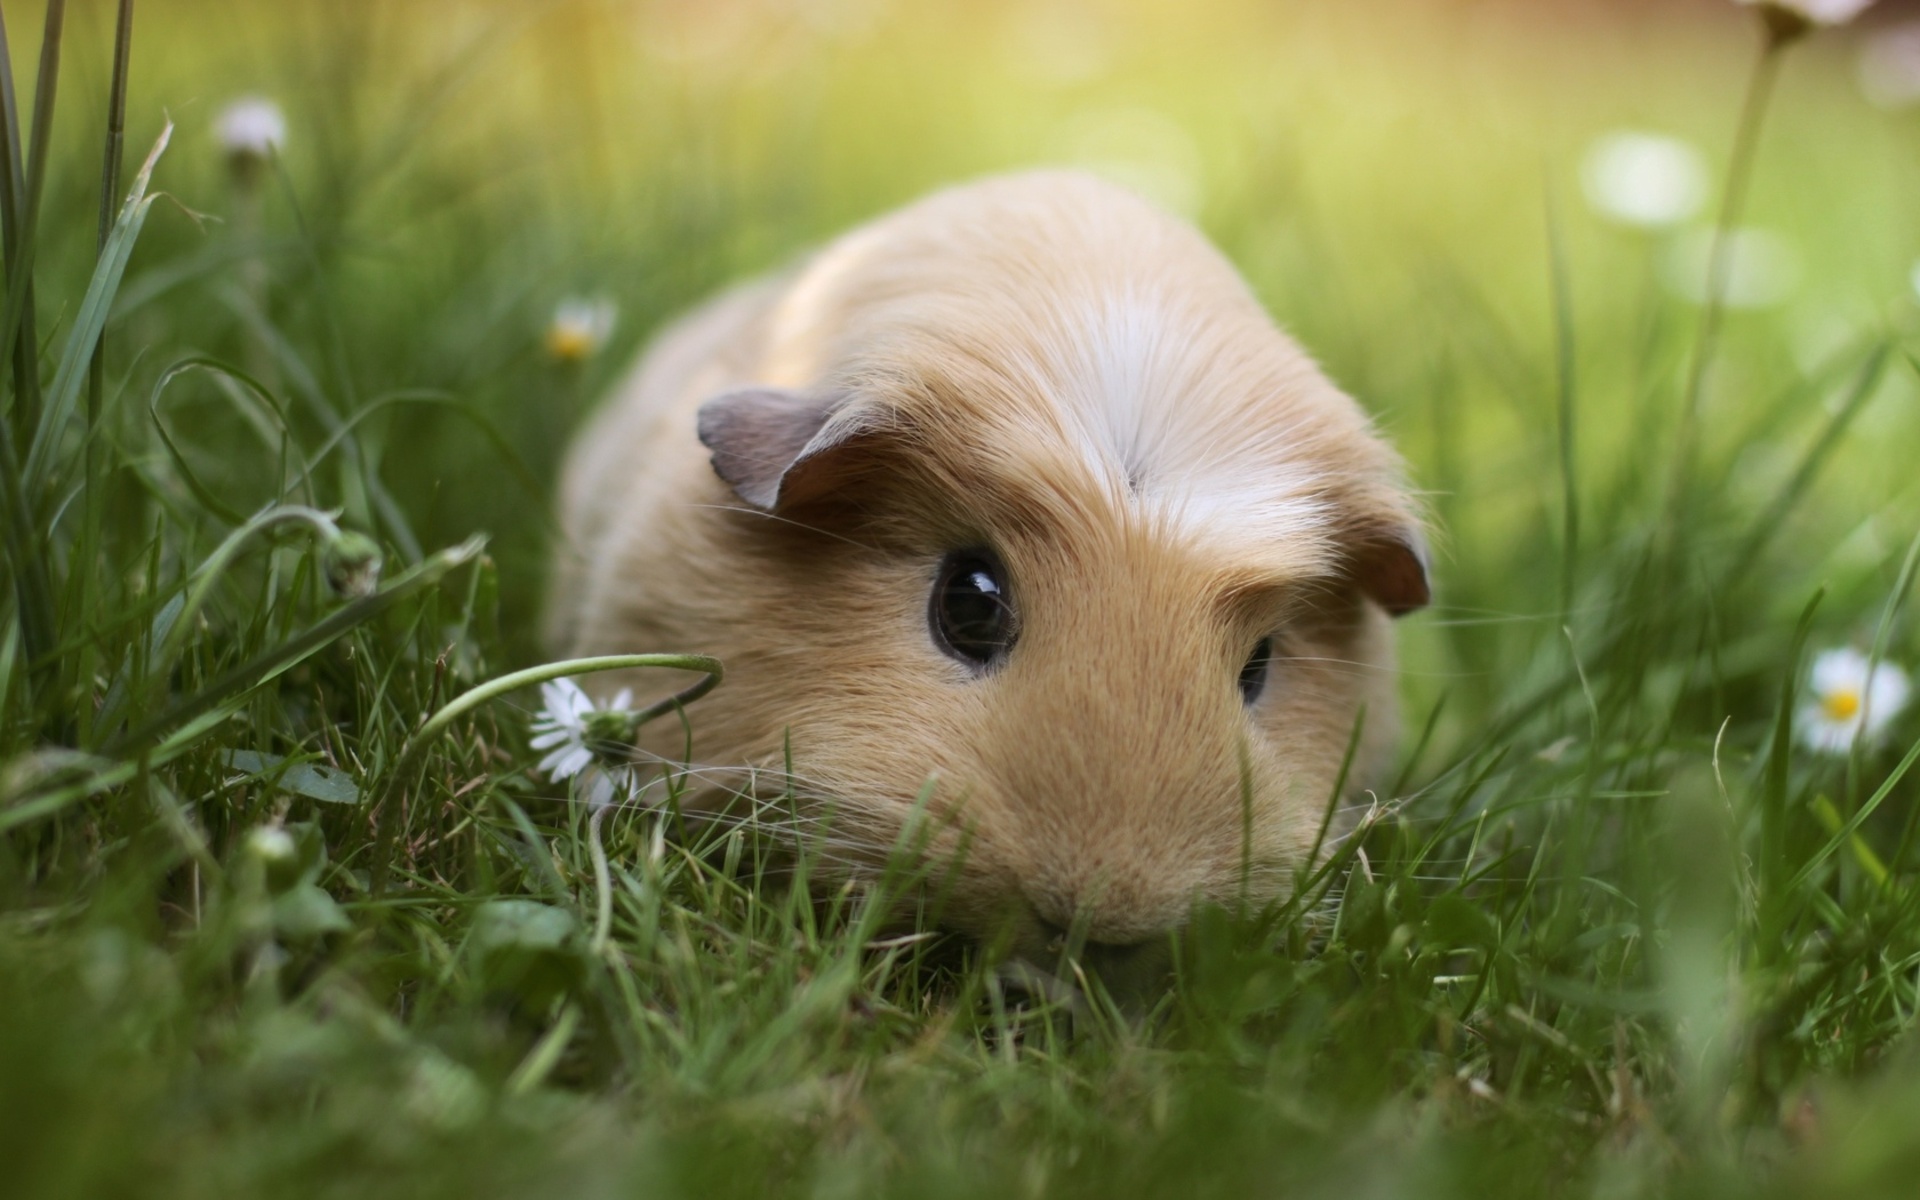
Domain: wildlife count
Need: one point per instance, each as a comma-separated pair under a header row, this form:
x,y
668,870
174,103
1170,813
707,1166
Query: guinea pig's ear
x,y
1389,563
780,448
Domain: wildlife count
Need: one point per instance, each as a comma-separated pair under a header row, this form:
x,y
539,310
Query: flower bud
x,y
352,562
271,844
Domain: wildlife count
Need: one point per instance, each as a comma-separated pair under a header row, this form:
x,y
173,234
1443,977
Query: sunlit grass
x,y
267,926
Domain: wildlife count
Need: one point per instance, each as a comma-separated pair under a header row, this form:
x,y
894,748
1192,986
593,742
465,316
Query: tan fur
x,y
1047,365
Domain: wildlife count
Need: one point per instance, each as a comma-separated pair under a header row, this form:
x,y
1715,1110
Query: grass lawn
x,y
1619,929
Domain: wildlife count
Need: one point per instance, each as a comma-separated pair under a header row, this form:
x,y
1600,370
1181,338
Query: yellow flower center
x,y
569,343
1841,704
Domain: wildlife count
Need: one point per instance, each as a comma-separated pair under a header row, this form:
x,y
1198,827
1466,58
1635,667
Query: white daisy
x,y
251,127
1850,699
1648,180
580,328
574,731
1816,12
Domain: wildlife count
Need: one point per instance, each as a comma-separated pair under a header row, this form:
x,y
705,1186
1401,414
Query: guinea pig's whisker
x,y
1359,668
770,516
820,821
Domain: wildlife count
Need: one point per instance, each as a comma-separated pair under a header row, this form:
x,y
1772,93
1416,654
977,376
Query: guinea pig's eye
x,y
1253,676
971,609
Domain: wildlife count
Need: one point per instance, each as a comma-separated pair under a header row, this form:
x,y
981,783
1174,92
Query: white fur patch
x,y
1155,420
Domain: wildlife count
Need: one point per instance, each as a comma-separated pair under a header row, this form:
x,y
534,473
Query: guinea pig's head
x,y
1062,549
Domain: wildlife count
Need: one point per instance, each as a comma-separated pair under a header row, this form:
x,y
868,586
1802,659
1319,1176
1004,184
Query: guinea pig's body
x,y
1016,509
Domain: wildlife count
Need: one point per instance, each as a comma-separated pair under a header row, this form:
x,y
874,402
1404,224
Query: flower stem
x,y
602,882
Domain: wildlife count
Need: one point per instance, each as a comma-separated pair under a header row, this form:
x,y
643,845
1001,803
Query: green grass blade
x,y
17,238
33,588
1775,777
19,316
1566,383
1854,822
64,395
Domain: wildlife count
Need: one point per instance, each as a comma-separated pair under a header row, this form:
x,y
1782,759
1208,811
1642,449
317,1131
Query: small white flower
x,y
251,127
1647,180
1817,12
580,328
1890,66
271,843
1849,699
570,727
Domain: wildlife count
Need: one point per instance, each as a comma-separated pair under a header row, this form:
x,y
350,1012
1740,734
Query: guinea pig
x,y
1012,509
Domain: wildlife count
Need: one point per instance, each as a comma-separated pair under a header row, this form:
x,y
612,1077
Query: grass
x,y
261,933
